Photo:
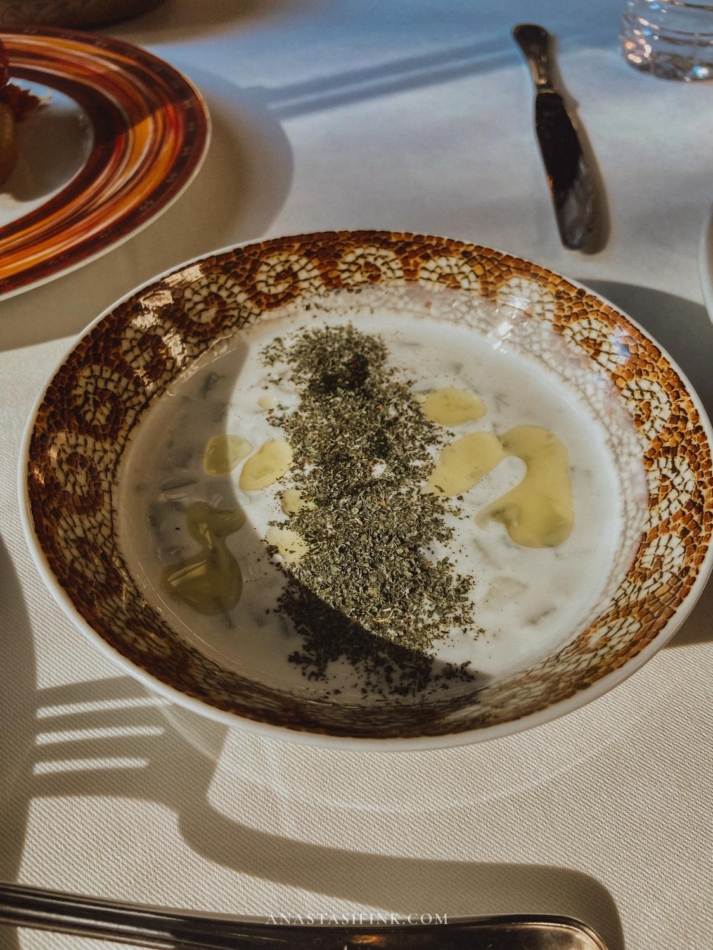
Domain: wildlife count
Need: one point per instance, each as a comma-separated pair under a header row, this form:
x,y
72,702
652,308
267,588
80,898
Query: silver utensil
x,y
568,174
155,927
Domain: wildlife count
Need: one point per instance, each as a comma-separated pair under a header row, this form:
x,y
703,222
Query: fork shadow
x,y
173,760
17,709
113,738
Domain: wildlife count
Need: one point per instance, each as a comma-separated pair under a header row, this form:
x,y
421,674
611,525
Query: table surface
x,y
406,115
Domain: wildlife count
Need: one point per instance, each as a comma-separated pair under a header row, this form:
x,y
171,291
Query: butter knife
x,y
568,174
24,906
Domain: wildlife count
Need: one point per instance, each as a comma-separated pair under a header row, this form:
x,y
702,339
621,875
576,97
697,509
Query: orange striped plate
x,y
150,135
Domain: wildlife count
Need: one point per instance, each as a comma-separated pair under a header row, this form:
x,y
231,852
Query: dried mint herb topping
x,y
369,590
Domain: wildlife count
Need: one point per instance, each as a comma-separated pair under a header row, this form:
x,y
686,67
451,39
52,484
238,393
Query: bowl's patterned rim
x,y
126,360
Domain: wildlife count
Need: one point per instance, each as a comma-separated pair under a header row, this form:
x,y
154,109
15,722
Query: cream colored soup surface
x,y
527,600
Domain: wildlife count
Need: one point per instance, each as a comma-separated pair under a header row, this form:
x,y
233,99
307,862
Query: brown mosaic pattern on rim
x,y
125,362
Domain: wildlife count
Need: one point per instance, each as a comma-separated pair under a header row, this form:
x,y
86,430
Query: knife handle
x,y
534,41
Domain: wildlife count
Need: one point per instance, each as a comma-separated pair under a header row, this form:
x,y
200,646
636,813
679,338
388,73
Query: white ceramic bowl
x,y
654,434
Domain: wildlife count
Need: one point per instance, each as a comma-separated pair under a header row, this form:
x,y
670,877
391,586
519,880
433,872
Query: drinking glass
x,y
672,39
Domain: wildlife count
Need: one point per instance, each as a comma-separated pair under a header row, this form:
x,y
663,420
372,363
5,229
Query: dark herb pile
x,y
366,591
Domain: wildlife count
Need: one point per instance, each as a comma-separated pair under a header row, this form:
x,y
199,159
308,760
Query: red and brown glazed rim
x,y
128,358
150,134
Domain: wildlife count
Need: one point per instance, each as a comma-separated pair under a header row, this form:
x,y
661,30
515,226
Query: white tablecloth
x,y
413,115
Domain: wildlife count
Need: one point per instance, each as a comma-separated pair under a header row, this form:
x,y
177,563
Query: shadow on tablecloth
x,y
17,725
166,755
112,739
190,19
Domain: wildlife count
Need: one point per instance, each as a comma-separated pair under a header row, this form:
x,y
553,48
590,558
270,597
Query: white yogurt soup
x,y
211,436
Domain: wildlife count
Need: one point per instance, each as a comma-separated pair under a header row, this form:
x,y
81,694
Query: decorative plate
x,y
647,431
148,132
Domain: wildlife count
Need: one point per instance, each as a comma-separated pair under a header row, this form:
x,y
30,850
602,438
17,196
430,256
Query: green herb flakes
x,y
369,590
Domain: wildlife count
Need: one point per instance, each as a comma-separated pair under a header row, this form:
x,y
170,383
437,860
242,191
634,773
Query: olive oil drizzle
x,y
539,511
463,463
452,407
210,582
223,453
268,465
292,500
287,543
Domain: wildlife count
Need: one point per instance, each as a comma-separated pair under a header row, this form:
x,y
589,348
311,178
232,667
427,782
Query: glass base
x,y
676,46
671,66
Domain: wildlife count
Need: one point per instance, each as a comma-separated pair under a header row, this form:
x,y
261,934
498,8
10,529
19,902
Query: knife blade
x,y
569,177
